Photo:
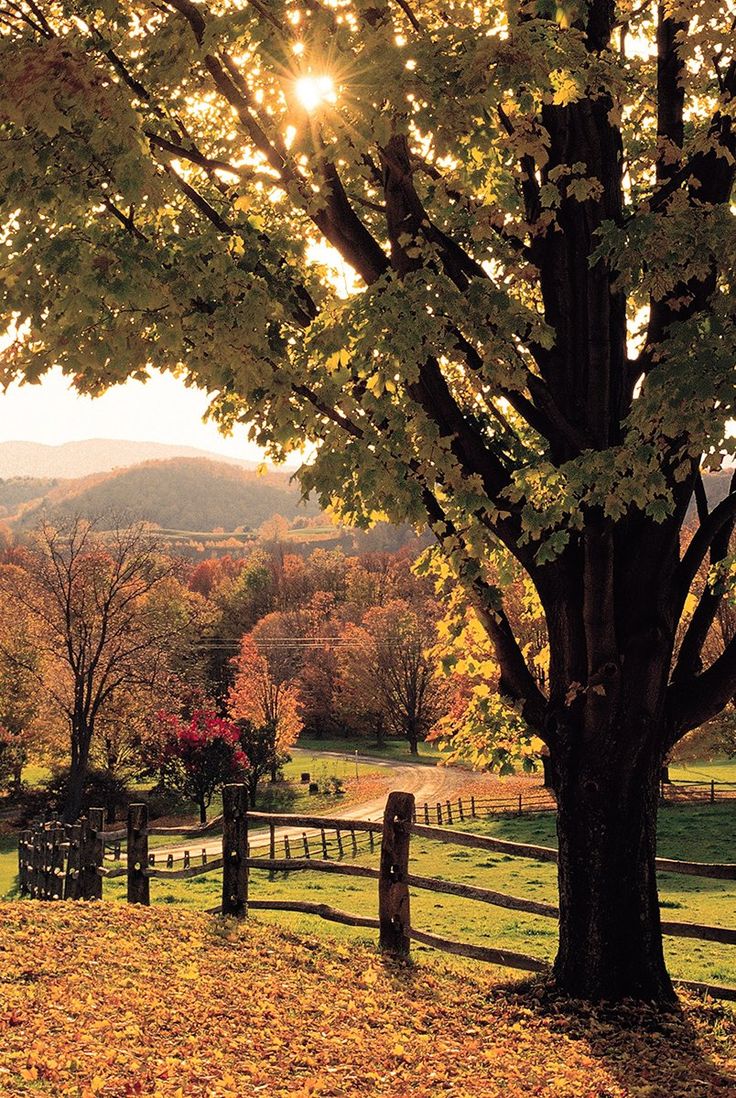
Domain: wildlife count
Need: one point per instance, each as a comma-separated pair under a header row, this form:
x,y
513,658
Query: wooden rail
x,y
484,842
347,869
720,870
307,907
504,957
328,823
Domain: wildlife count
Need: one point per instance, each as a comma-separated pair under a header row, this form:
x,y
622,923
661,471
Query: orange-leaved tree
x,y
264,697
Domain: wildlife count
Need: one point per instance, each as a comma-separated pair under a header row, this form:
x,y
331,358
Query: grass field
x,y
692,833
705,770
396,750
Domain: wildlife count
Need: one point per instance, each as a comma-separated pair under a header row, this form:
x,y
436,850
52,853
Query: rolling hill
x,y
186,494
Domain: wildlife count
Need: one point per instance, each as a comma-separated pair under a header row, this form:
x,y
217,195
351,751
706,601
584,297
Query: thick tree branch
x,y
689,661
695,700
517,682
670,94
699,545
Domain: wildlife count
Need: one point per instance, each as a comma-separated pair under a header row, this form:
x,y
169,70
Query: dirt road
x,y
427,783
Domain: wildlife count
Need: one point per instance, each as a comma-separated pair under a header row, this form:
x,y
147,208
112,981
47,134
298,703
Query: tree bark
x,y
202,812
610,944
75,788
81,740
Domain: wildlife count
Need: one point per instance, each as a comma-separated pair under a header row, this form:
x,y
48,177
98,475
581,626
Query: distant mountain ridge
x,y
72,460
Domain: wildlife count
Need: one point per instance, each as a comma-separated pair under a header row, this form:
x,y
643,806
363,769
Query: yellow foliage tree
x,y
263,697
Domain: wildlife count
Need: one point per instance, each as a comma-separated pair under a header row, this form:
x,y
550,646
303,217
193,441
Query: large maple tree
x,y
480,255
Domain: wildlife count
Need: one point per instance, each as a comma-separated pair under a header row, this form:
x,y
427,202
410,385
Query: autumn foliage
x,y
158,1002
264,698
200,755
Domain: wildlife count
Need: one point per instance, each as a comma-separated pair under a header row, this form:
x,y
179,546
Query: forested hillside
x,y
188,494
21,489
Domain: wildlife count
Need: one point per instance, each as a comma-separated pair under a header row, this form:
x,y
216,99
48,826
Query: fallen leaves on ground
x,y
121,1002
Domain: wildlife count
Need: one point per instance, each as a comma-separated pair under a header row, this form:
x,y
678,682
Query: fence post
x,y
712,791
521,810
41,862
139,885
439,813
46,886
82,886
57,862
235,850
305,840
339,842
71,880
28,874
97,852
354,840
23,862
287,848
393,891
449,812
21,857
426,813
35,862
371,839
460,811
324,843
472,807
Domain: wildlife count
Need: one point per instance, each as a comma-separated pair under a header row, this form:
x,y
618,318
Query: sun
x,y
314,91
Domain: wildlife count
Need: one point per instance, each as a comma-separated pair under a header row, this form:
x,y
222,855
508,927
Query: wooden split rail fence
x,y
67,862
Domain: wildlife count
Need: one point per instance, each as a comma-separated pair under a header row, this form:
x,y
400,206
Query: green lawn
x,y
397,750
8,866
692,833
705,770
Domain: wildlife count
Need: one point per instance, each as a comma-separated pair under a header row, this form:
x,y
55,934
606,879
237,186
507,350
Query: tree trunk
x,y
202,812
17,777
413,745
610,944
74,792
81,739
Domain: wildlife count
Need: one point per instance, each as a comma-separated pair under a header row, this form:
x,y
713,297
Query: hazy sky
x,y
162,410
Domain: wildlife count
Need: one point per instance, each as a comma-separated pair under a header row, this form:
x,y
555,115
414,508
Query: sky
x,y
162,410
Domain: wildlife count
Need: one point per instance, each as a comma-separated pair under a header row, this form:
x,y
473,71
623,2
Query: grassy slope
x,y
168,1004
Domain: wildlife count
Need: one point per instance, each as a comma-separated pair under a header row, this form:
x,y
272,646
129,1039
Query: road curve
x,y
427,783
